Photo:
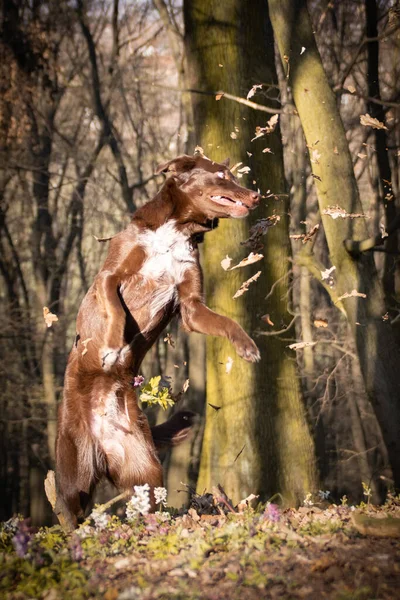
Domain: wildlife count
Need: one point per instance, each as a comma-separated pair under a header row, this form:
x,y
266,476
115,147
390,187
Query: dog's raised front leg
x,y
107,287
197,317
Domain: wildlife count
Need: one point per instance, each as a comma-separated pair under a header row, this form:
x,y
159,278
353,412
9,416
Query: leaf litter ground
x,y
210,552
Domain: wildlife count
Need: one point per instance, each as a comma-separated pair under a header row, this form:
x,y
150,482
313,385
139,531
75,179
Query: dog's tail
x,y
174,431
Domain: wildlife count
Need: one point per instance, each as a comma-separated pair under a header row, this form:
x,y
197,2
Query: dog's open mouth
x,y
226,201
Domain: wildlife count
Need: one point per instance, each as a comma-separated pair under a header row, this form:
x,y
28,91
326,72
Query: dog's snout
x,y
256,197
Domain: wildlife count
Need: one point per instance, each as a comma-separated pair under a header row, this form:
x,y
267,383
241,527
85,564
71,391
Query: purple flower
x,y
137,381
21,539
76,549
272,512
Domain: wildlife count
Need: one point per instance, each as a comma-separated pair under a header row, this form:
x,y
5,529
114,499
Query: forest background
x,y
94,95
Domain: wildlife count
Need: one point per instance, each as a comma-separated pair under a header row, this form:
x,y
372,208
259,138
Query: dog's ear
x,y
226,162
179,165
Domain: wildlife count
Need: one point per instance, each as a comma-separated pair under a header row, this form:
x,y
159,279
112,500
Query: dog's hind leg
x,y
75,480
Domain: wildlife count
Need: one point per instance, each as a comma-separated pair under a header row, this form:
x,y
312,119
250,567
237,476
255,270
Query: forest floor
x,y
212,551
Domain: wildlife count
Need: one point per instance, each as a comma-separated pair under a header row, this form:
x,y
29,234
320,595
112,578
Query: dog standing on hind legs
x,y
151,274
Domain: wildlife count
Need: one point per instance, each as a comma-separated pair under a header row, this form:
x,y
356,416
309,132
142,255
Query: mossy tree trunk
x,y
258,439
336,185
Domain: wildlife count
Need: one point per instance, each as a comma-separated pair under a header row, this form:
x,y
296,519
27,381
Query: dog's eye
x,y
221,174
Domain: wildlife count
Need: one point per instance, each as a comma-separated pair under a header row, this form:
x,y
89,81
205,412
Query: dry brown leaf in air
x,y
228,365
351,89
369,121
219,96
336,211
245,286
267,319
327,273
226,263
320,323
49,317
253,90
249,260
259,229
352,294
310,233
362,156
233,135
199,150
185,386
168,339
244,170
84,344
268,150
269,128
300,345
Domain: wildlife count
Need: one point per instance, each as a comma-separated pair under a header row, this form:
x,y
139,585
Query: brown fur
x,y
101,430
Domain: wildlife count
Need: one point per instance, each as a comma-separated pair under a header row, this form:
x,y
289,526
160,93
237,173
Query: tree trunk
x,y
336,185
257,440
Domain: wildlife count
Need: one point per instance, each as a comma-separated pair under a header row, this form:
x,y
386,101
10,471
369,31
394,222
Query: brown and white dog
x,y
152,272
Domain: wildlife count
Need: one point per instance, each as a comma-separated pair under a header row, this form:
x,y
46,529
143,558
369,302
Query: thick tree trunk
x,y
336,185
257,440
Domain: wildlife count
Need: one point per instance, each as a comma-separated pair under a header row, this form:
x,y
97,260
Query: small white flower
x,y
324,495
84,531
100,519
139,504
307,500
160,495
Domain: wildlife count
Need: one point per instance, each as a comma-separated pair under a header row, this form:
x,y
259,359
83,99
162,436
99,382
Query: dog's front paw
x,y
109,357
247,349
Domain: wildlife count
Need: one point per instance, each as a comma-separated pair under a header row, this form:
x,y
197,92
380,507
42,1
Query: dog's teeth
x,y
239,203
217,197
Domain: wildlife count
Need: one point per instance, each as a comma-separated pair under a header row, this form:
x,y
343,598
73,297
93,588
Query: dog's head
x,y
211,187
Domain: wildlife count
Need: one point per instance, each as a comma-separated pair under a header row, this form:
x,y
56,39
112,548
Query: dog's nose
x,y
256,197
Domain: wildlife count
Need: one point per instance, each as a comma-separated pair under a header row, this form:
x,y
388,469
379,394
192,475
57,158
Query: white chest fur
x,y
168,255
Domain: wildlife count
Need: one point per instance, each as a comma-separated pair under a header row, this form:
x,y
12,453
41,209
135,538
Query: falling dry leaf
x,y
49,317
244,170
249,260
300,345
102,239
266,318
315,156
369,121
216,408
362,156
270,127
235,166
296,236
320,323
199,150
233,135
253,91
168,339
351,89
268,150
335,150
226,262
327,273
185,386
219,96
84,344
336,211
352,294
385,317
302,50
259,229
245,286
310,233
228,365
